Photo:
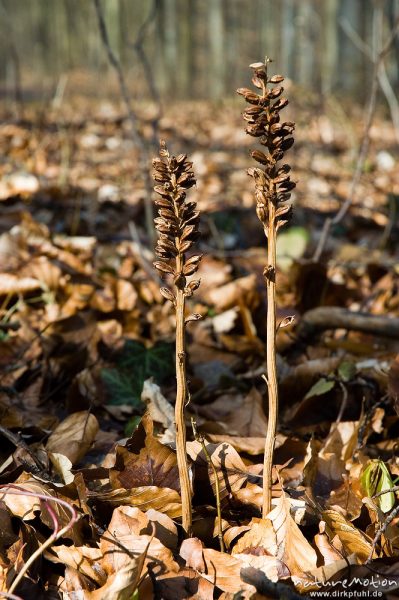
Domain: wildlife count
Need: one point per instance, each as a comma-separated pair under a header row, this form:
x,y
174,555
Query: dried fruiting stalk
x,y
177,224
272,191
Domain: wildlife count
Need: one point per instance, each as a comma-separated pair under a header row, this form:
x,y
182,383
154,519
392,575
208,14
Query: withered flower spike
x,y
273,188
177,225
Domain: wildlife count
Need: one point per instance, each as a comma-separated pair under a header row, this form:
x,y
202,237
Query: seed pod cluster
x,y
177,222
272,182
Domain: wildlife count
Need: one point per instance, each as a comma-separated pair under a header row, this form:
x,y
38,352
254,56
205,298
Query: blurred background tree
x,y
197,48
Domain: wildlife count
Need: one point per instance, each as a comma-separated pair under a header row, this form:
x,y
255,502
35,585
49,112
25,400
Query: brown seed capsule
x,y
178,221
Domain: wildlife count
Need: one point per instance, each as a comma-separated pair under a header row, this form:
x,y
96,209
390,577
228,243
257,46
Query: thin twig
x,y
381,531
395,488
200,438
56,535
363,149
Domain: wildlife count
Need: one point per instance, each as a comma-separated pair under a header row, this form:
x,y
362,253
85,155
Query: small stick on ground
x,y
200,438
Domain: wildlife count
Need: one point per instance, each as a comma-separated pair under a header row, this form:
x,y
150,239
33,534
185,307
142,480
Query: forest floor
x,y
87,364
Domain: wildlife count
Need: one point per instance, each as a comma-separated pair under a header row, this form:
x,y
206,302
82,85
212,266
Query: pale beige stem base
x,y
181,397
271,362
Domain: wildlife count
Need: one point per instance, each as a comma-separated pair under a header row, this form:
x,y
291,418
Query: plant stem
x,y
181,395
200,438
270,359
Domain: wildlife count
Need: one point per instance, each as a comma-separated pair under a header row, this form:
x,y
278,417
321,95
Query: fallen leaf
x,y
84,559
351,538
191,550
292,547
155,465
162,499
74,436
231,471
259,540
159,409
126,536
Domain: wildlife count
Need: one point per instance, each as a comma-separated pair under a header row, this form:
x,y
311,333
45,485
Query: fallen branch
x,y
323,318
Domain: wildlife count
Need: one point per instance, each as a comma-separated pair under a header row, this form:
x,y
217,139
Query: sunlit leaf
x,y
375,479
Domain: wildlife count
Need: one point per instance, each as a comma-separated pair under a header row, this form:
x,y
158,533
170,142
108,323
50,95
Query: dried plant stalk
x,y
177,224
272,191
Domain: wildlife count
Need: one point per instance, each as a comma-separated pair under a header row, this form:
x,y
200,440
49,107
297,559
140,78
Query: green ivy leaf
x,y
121,388
320,387
157,361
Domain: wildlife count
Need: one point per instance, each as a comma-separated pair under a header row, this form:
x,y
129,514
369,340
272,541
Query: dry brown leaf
x,y
155,465
259,540
159,409
224,571
27,507
250,445
119,586
84,559
127,535
231,294
229,466
273,568
292,547
341,441
218,568
326,549
161,499
74,436
126,295
191,551
165,529
11,284
351,538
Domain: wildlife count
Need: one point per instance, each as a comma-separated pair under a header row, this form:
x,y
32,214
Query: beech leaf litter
x,y
87,343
